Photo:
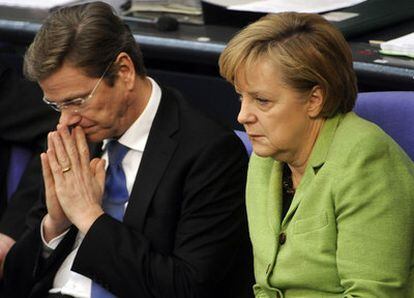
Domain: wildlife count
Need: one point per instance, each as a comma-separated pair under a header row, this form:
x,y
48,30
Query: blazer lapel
x,y
274,198
158,151
317,159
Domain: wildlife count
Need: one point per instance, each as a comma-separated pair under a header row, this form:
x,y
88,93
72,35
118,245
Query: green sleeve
x,y
374,212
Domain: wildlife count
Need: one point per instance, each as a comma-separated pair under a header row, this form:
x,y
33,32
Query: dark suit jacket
x,y
184,232
24,121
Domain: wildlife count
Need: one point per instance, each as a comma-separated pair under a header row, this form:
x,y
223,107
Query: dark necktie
x,y
115,197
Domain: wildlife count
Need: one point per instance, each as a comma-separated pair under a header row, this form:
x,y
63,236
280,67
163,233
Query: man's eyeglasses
x,y
76,102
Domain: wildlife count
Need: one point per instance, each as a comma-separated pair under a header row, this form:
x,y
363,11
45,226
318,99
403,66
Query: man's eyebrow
x,y
72,97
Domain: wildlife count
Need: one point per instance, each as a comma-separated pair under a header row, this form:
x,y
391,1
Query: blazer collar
x,y
323,143
317,159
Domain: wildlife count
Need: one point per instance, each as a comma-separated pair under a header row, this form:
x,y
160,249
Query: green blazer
x,y
350,228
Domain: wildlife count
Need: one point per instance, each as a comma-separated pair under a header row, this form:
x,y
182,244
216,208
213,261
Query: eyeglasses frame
x,y
79,101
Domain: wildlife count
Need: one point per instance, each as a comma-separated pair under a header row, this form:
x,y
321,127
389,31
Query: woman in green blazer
x,y
330,196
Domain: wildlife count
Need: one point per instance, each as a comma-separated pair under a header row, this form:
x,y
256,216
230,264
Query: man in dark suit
x,y
160,212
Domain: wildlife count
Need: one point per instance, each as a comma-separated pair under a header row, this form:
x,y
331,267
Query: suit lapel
x,y
158,151
95,150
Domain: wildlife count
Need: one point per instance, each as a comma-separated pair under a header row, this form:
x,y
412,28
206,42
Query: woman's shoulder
x,y
361,149
358,138
355,129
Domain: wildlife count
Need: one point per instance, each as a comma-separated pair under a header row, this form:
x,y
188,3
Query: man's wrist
x,y
53,228
86,221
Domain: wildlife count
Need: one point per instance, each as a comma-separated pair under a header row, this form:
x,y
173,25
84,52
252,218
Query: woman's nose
x,y
245,115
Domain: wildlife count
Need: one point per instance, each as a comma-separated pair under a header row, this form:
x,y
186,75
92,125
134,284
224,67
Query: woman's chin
x,y
268,152
262,152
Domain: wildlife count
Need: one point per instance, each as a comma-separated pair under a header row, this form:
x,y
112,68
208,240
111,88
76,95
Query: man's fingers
x,y
61,155
67,143
82,147
100,173
93,164
56,168
47,176
98,170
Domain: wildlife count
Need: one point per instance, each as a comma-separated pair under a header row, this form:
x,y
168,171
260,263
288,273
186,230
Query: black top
x,y
288,192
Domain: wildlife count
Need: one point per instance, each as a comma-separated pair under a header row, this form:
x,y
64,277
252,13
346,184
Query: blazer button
x,y
282,238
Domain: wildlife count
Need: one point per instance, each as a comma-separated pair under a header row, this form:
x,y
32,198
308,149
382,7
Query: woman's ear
x,y
316,101
126,69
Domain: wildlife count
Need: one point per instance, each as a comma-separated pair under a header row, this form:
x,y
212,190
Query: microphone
x,y
162,23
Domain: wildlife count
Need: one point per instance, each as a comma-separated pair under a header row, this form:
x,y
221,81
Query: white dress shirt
x,y
69,282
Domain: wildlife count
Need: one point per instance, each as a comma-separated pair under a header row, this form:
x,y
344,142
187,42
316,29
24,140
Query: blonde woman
x,y
330,196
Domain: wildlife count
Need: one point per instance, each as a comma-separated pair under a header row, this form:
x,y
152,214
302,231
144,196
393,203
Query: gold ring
x,y
67,169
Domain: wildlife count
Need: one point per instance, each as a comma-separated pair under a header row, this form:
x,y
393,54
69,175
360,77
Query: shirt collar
x,y
135,137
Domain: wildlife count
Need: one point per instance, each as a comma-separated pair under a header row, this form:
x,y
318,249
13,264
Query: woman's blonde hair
x,y
306,50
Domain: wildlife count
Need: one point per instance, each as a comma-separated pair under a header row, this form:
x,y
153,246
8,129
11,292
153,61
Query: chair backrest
x,y
245,139
393,111
19,157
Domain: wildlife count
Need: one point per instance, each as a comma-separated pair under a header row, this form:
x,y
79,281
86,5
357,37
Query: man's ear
x,y
126,69
315,101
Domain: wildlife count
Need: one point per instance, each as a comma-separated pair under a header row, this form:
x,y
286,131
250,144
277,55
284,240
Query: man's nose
x,y
69,117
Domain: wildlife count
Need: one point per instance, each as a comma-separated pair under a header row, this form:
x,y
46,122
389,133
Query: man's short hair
x,y
307,51
87,36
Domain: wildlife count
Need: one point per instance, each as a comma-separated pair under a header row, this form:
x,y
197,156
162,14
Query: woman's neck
x,y
299,163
